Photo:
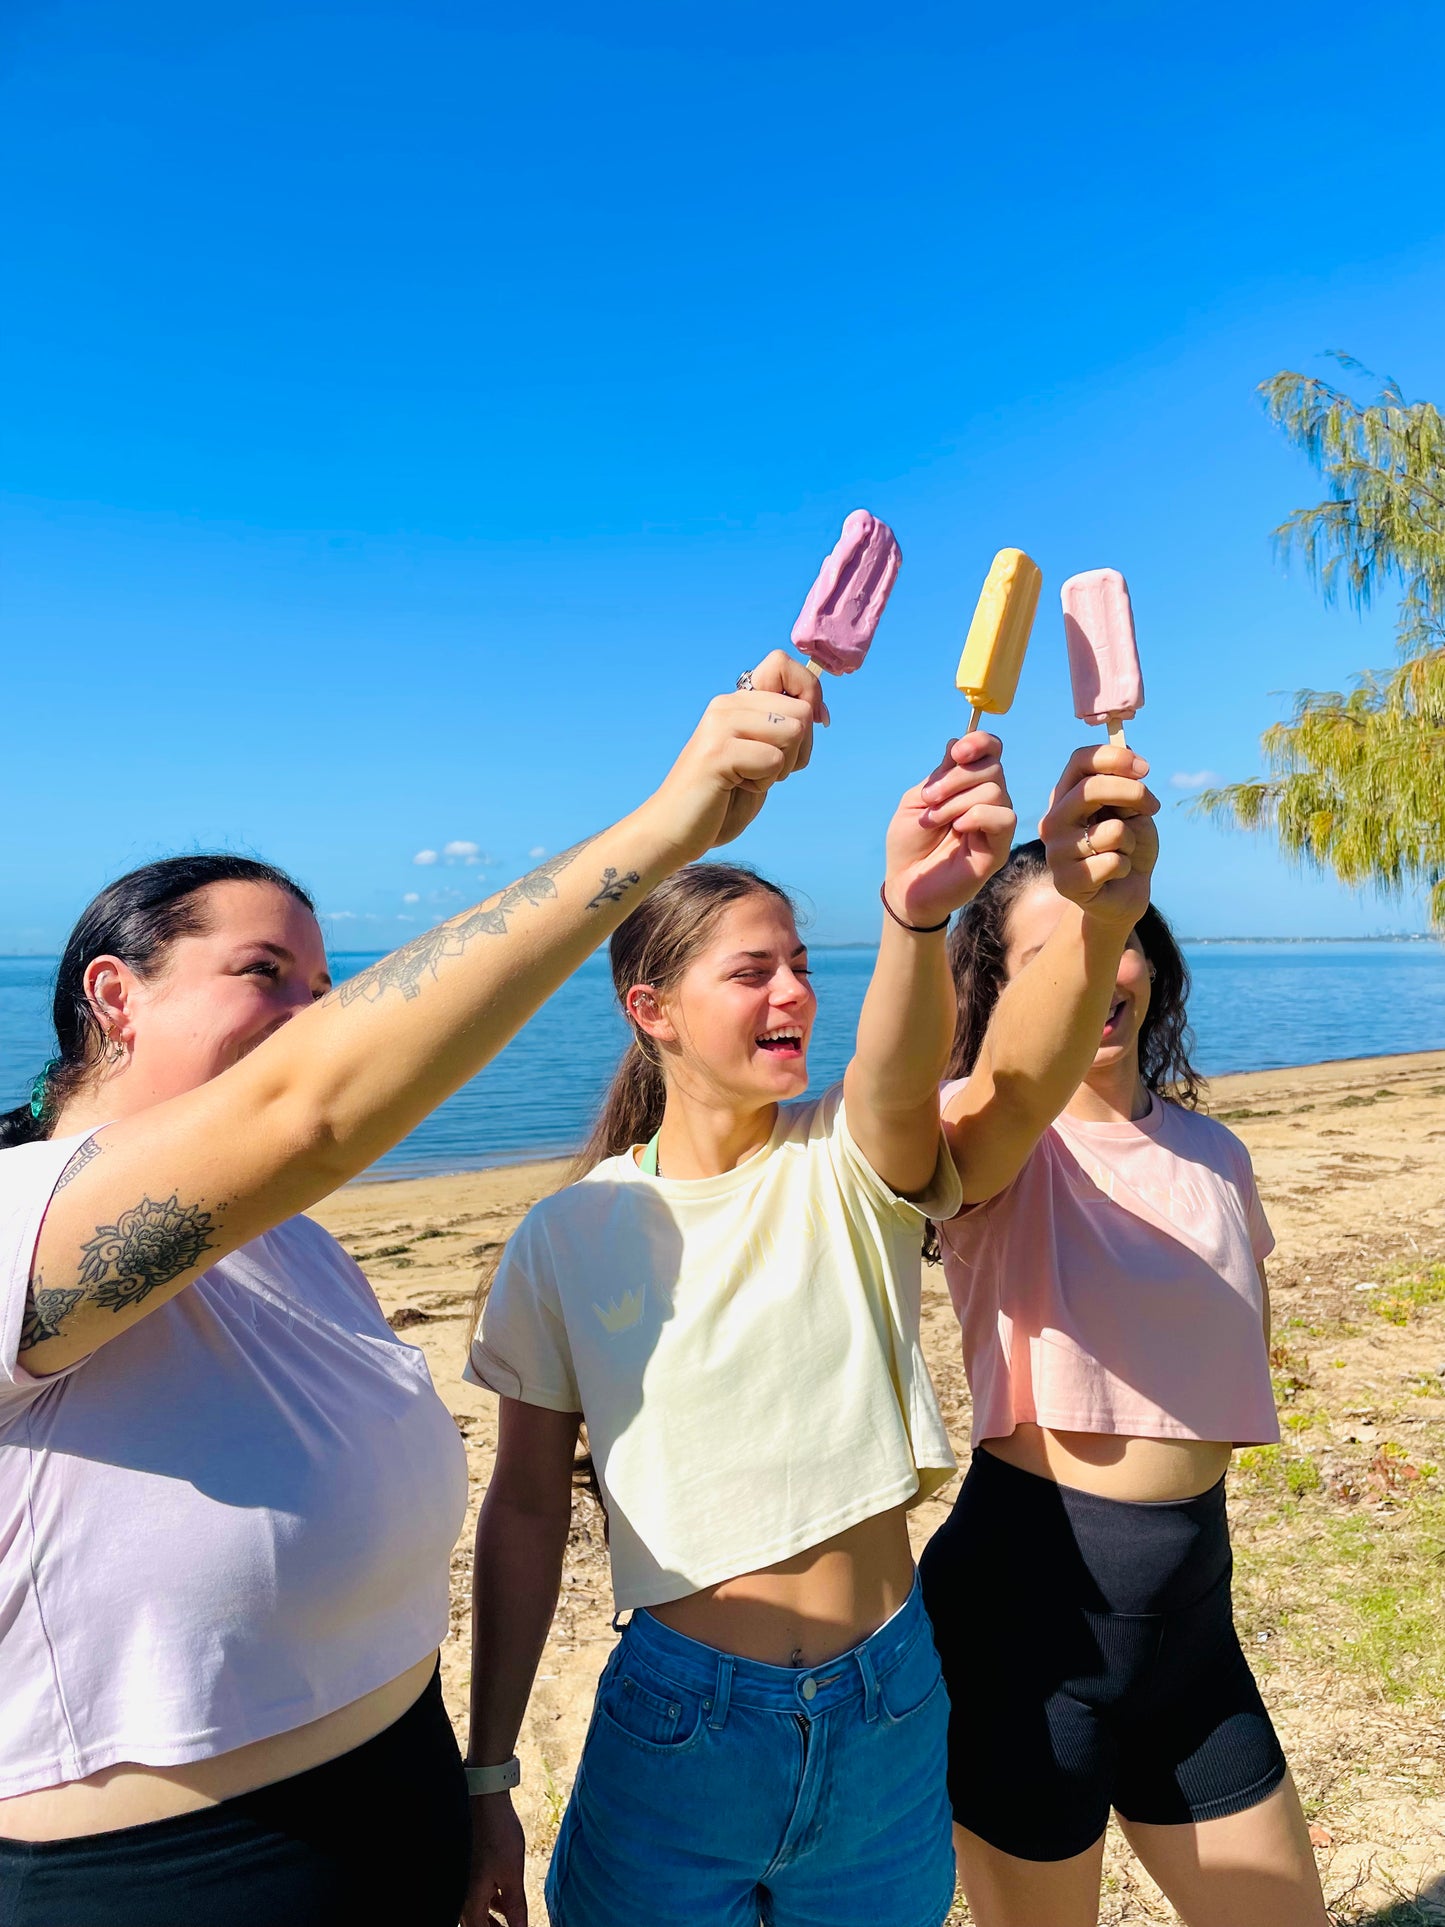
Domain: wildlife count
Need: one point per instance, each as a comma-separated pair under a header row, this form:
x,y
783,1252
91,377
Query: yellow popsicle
x,y
993,655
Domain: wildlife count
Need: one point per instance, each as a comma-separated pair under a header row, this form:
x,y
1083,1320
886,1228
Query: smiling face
x,y
735,1025
257,960
1031,922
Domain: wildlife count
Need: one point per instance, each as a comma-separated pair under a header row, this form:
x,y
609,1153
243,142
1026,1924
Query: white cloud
x,y
466,852
425,856
541,850
411,897
1193,779
339,916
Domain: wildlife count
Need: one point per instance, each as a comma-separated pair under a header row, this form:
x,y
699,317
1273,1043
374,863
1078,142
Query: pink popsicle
x,y
845,603
1103,655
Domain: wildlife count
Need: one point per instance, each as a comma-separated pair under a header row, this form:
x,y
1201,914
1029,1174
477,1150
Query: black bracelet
x,y
916,929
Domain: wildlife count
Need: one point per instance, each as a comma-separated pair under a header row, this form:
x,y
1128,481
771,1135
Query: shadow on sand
x,y
1425,1909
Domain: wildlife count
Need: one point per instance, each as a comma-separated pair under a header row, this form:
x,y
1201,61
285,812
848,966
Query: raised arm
x,y
177,1185
1046,1026
516,1575
949,835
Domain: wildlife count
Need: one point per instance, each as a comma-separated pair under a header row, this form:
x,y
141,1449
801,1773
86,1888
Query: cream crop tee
x,y
233,1518
1114,1285
744,1348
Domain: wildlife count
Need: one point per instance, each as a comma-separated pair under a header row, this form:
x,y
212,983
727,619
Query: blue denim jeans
x,y
718,1792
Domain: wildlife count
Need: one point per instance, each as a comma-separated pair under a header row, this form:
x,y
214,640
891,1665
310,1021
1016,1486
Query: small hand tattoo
x,y
614,887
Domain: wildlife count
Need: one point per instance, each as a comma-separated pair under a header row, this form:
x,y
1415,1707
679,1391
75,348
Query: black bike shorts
x,y
1092,1662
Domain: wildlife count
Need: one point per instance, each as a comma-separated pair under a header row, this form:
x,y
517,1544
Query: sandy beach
x,y
1339,1533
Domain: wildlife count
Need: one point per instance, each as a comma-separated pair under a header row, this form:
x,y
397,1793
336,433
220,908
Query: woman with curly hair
x,y
228,1493
1108,1272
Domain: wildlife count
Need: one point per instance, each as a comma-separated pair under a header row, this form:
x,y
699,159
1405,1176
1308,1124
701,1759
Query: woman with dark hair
x,y
1108,1272
228,1493
728,1295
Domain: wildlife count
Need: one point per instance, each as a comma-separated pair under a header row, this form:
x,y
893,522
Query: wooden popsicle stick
x,y
973,721
1116,732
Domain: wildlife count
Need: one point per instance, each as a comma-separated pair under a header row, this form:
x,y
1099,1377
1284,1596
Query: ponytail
x,y
631,1111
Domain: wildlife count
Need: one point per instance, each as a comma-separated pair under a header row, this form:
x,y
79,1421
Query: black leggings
x,y
1092,1662
379,1838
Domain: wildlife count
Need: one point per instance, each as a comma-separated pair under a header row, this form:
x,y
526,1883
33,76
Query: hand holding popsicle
x,y
845,604
993,655
746,741
950,833
1103,654
1099,833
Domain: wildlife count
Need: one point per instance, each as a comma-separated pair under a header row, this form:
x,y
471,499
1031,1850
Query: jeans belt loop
x,y
722,1692
870,1684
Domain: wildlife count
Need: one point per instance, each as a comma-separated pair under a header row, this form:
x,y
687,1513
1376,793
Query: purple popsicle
x,y
845,603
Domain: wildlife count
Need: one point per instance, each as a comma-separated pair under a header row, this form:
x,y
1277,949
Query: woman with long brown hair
x,y
1108,1272
729,1296
228,1491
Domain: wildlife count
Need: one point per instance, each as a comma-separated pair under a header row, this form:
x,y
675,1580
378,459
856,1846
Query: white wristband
x,y
494,1779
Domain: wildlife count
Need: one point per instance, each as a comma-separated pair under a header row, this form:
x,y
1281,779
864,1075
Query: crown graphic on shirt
x,y
621,1317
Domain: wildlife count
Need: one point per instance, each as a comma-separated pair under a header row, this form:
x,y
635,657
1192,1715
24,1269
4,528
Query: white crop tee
x,y
744,1348
233,1518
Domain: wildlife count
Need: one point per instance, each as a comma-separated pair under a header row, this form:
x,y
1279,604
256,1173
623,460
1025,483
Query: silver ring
x,y
745,680
1089,842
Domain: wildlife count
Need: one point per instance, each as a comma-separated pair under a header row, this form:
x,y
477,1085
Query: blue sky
x,y
412,417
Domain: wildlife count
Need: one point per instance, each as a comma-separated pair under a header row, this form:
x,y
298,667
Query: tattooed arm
x,y
162,1194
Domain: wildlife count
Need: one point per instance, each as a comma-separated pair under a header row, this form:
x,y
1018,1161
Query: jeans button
x,y
810,1688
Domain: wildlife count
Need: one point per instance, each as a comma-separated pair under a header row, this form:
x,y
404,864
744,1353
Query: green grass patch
x,y
1277,1472
1301,1476
1398,1300
1395,1636
1367,1557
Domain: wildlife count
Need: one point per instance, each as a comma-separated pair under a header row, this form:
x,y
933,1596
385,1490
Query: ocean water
x,y
1255,1006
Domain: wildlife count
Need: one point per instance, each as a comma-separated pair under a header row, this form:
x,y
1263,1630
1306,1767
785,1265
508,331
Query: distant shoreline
x,y
1221,1084
1414,936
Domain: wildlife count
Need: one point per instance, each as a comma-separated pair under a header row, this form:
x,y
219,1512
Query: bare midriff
x,y
132,1796
805,1610
1114,1465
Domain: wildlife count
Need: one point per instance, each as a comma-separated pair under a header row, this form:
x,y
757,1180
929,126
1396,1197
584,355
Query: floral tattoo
x,y
144,1249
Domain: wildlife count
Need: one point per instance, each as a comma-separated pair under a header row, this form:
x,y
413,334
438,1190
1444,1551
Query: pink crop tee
x,y
1114,1285
235,1517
